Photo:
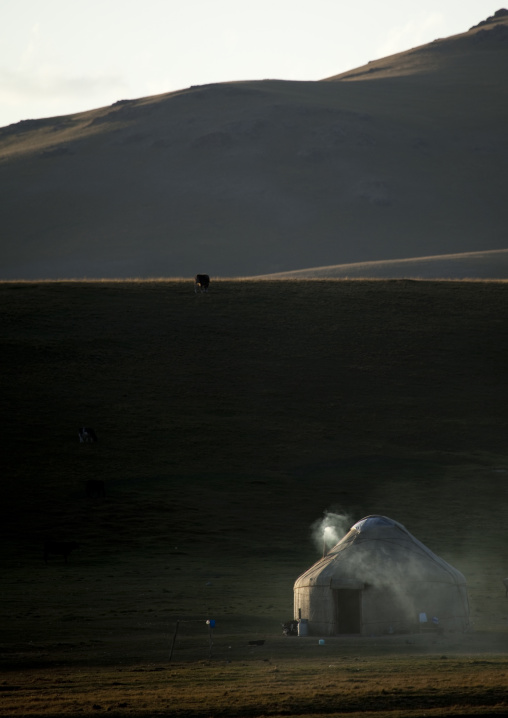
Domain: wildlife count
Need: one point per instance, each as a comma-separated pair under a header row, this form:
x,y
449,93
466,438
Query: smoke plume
x,y
329,530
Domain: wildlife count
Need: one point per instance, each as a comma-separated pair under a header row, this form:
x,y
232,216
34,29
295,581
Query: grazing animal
x,y
87,435
201,282
59,548
95,488
505,581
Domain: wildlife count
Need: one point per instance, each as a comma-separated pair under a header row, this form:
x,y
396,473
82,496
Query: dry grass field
x,y
228,422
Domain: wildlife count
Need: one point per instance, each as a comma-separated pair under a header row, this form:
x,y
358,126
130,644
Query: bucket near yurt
x,y
303,627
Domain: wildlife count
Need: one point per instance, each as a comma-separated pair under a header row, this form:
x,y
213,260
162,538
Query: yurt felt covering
x,y
380,579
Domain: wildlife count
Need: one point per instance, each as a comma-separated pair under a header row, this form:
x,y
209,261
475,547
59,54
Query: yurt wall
x,y
381,610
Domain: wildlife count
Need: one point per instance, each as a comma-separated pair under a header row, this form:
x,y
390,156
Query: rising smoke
x,y
329,530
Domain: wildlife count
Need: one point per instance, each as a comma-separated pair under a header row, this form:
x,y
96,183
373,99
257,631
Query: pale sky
x,y
58,57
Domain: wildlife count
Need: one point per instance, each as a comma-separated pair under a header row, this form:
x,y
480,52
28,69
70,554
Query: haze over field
x,y
401,159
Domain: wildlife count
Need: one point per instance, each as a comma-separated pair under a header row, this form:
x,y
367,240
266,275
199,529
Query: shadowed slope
x,y
261,177
227,423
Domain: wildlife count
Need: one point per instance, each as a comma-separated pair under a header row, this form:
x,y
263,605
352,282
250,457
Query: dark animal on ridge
x,y
201,282
95,488
87,435
59,548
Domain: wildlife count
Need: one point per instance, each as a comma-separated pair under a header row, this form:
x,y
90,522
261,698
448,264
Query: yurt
x,y
380,579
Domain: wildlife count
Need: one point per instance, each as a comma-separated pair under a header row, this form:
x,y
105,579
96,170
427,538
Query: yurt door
x,y
348,610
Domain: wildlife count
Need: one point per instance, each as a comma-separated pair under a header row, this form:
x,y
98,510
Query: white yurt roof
x,y
378,550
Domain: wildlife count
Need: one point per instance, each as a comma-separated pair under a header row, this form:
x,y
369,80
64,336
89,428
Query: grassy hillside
x,y
270,176
228,422
462,56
